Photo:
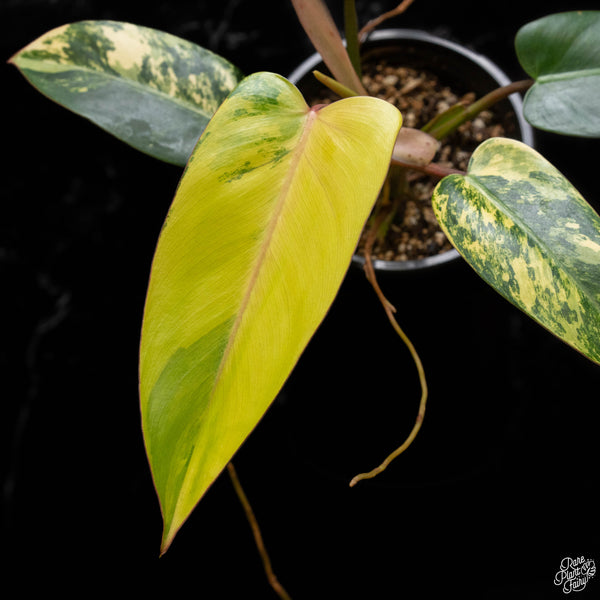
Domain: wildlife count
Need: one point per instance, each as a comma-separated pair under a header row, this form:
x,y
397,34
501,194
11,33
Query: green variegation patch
x,y
528,232
151,89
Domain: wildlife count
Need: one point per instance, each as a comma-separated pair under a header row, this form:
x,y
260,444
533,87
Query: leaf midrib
x,y
269,232
567,75
21,63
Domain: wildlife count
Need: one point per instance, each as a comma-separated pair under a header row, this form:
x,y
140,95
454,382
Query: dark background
x,y
500,485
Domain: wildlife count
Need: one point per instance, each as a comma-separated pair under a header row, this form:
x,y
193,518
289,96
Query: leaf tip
x,y
167,539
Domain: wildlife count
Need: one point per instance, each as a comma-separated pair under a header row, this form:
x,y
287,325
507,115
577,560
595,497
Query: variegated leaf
x,y
528,232
257,242
561,52
150,89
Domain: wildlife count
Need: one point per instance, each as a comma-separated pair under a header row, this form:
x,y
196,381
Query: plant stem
x,y
432,169
257,534
390,310
351,33
498,94
447,126
387,204
335,86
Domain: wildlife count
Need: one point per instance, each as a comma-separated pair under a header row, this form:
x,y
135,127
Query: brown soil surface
x,y
414,232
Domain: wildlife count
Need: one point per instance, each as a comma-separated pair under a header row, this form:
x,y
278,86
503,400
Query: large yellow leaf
x,y
253,251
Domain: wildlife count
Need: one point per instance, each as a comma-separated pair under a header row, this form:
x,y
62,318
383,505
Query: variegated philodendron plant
x,y
236,290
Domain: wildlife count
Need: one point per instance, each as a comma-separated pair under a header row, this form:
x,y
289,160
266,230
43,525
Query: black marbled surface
x,y
501,484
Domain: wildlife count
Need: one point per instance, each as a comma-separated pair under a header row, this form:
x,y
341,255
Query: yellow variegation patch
x,y
253,251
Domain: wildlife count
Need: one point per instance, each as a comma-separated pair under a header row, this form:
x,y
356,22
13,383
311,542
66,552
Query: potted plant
x,y
435,72
230,317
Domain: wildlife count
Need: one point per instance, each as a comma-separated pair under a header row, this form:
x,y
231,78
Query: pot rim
x,y
399,34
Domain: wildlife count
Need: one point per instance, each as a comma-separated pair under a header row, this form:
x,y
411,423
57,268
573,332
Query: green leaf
x,y
254,248
529,234
562,53
150,89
